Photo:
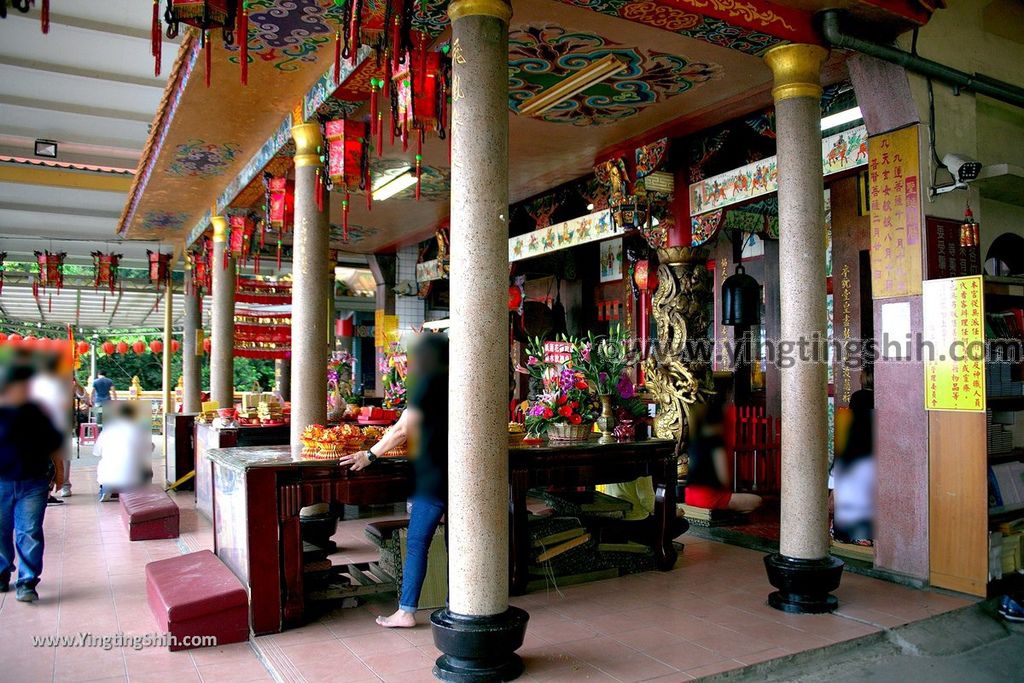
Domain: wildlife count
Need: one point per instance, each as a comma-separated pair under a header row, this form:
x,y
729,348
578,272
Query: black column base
x,y
805,586
479,649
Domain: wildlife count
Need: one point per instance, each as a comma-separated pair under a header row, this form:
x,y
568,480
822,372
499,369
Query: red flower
x,y
575,404
575,419
581,385
548,413
562,400
565,411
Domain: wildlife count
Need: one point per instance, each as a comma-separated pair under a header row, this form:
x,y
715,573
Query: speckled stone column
x,y
310,285
803,571
222,317
478,632
190,351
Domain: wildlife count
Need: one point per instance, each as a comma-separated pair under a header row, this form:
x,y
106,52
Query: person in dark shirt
x,y
103,390
30,449
424,425
707,480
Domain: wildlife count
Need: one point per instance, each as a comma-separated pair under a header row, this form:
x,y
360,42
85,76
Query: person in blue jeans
x,y
30,450
424,425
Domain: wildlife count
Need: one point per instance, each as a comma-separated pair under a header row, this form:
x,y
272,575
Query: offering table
x,y
258,492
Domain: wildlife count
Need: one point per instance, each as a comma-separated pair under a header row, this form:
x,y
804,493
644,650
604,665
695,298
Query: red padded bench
x,y
197,595
148,514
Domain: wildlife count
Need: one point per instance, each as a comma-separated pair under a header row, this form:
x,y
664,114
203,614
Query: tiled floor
x,y
706,616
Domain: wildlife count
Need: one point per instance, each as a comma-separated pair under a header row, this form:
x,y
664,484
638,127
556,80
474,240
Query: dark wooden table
x,y
258,492
257,495
181,450
589,464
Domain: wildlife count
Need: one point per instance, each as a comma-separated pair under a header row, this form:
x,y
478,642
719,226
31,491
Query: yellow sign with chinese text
x,y
896,215
953,345
385,329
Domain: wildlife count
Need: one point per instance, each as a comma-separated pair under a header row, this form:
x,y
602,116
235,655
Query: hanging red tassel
x,y
279,253
49,303
156,38
243,42
319,191
344,218
44,16
373,106
227,255
337,58
353,33
104,303
256,263
419,162
209,57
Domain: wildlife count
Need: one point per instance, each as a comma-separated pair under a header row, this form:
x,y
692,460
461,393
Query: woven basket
x,y
568,432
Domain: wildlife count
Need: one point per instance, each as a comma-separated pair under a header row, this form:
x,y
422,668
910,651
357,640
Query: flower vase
x,y
606,422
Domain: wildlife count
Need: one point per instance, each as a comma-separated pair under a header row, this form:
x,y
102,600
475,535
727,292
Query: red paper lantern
x,y
15,339
281,203
515,297
348,153
51,269
175,345
122,347
205,15
207,345
156,346
159,268
83,348
29,342
106,267
3,337
108,348
139,347
421,95
640,274
241,235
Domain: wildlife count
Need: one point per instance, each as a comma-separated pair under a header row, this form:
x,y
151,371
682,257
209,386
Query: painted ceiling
x,y
690,64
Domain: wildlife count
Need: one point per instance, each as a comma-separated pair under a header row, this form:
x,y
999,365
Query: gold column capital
x,y
502,9
308,141
220,228
797,70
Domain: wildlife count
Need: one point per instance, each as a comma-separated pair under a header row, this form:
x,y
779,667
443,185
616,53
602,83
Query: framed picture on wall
x,y
611,260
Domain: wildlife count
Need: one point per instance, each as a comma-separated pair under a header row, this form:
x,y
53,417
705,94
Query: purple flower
x,y
532,360
625,387
602,377
585,352
536,410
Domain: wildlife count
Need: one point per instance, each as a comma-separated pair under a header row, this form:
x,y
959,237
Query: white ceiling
x,y
89,85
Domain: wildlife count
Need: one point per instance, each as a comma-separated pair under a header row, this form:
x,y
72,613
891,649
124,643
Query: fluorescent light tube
x,y
840,118
394,186
596,72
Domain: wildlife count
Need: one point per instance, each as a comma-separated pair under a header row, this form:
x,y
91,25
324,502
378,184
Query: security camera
x,y
963,169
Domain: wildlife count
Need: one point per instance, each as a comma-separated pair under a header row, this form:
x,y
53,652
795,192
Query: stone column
x,y
191,347
168,387
309,289
803,571
283,376
478,632
222,323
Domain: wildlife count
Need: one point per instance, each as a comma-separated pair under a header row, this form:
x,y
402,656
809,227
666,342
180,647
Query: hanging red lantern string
x,y
205,16
156,39
240,237
243,38
282,203
51,271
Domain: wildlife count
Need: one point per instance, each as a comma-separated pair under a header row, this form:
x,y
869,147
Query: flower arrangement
x,y
604,360
394,366
567,401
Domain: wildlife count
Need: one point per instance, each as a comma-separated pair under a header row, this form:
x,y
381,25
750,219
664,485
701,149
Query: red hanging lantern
x,y
15,339
175,345
282,203
420,96
108,348
51,270
159,268
348,154
83,348
122,347
3,337
205,16
207,345
139,347
29,342
240,239
156,346
106,270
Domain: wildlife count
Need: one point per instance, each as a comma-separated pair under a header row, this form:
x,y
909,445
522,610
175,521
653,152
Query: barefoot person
x,y
424,425
30,451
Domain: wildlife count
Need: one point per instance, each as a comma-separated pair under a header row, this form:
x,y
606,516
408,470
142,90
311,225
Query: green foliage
x,y
149,369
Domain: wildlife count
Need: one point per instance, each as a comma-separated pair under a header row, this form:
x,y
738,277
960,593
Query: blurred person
x,y
124,448
639,523
49,390
30,453
854,472
103,390
424,425
708,481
